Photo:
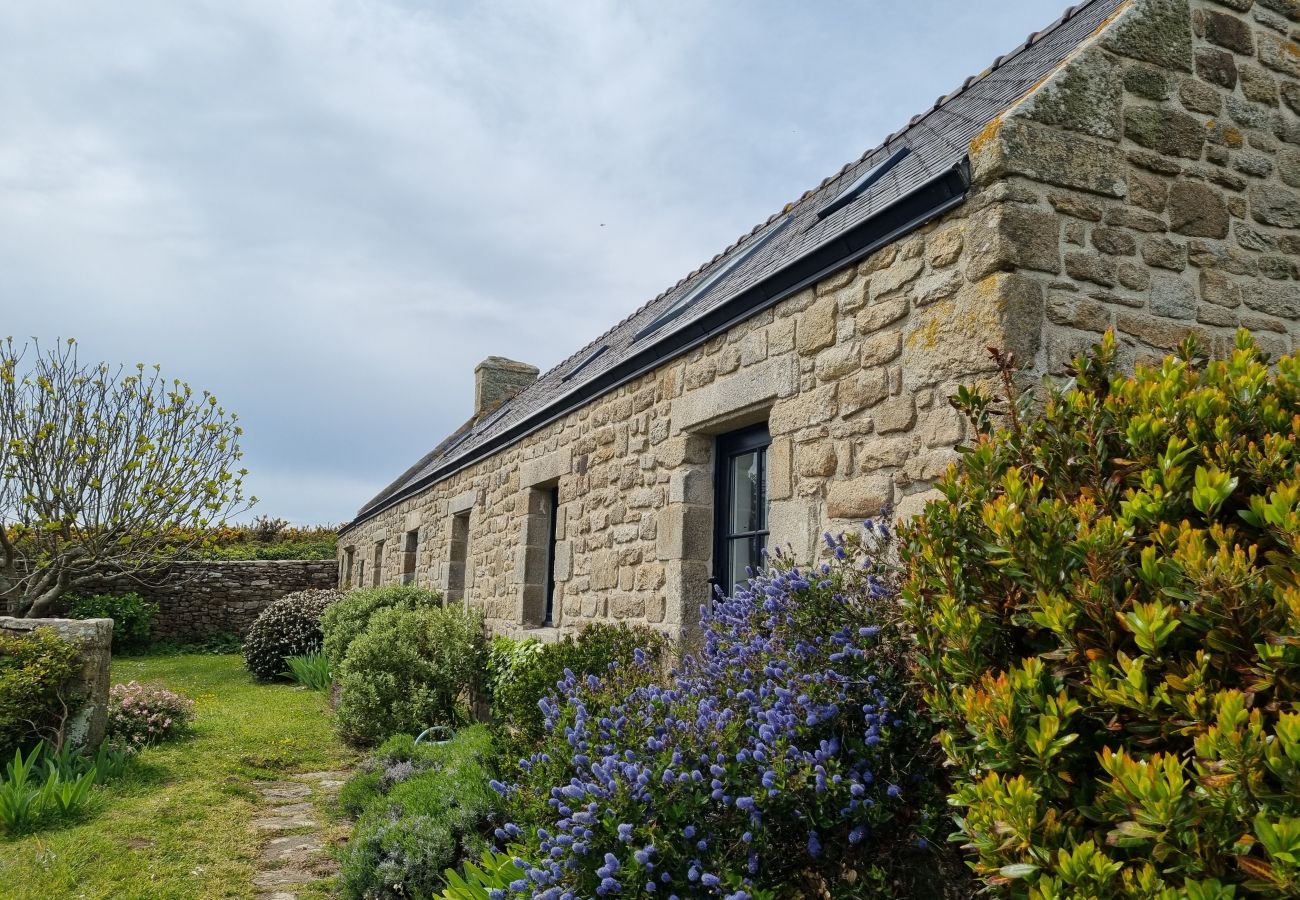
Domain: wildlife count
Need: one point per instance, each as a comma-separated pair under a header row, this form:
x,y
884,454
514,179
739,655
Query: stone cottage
x,y
1135,165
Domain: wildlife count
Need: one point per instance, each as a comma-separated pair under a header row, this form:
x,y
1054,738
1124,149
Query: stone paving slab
x,y
288,861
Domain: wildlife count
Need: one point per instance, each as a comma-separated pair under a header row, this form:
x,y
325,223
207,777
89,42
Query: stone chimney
x,y
497,379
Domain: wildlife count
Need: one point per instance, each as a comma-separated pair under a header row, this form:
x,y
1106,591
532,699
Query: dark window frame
x,y
728,447
548,610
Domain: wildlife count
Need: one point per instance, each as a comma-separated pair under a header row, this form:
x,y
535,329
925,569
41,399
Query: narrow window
x,y
741,512
410,544
377,570
349,560
458,562
361,573
548,617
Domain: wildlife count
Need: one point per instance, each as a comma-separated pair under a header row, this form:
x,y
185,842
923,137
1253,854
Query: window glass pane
x,y
742,553
747,491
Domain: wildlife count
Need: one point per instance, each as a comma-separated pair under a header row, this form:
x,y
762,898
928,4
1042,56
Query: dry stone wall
x,y
208,598
1149,185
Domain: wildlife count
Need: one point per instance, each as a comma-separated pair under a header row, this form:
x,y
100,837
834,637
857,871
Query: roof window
x,y
864,182
687,300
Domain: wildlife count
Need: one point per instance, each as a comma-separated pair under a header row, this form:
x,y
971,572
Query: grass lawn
x,y
177,824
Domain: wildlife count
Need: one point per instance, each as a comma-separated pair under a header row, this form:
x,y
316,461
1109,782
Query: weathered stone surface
x,y
1164,130
1274,299
1012,237
1044,154
944,247
1197,96
815,329
1114,242
1172,297
878,315
1228,31
1077,311
1163,253
1155,31
1197,210
895,414
1275,206
896,277
880,348
1077,205
1091,267
859,498
1160,333
1150,82
1279,54
1217,67
1258,86
1085,97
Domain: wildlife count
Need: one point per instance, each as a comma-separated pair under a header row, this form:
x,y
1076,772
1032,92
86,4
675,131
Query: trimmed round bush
x,y
1107,605
410,669
345,620
291,626
132,616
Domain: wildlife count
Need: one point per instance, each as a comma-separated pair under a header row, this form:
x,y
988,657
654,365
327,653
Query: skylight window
x,y
864,182
586,361
496,414
687,300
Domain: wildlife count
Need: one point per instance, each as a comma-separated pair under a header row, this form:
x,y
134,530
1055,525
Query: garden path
x,y
296,852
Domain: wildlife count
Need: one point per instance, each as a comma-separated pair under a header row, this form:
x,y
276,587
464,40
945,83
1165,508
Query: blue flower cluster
x,y
771,752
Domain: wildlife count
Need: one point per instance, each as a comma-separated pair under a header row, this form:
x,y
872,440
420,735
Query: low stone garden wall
x,y
208,598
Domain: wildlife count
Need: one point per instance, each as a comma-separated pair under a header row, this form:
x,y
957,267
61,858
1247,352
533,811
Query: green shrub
x,y
291,626
493,871
132,616
35,671
409,669
1107,605
425,808
524,672
345,620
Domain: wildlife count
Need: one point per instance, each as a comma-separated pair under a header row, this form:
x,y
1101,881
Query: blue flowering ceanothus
x,y
778,752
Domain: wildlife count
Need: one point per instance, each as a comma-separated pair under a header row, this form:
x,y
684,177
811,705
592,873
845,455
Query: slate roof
x,y
937,140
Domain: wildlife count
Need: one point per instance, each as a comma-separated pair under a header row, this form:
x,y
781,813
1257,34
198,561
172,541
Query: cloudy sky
x,y
327,212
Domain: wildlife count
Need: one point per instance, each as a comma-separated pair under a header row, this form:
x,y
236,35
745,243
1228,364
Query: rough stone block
x,y
1154,31
1172,297
1051,156
1165,131
1003,238
1085,96
859,498
815,329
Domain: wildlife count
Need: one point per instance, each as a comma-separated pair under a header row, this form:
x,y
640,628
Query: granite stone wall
x,y
1148,185
204,599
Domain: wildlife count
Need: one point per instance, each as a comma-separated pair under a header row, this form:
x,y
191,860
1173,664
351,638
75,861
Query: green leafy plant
x,y
311,670
291,626
44,785
423,809
523,673
344,621
478,880
409,669
1106,601
36,669
132,616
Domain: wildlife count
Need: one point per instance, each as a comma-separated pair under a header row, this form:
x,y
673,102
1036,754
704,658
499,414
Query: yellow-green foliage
x,y
35,669
1107,605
